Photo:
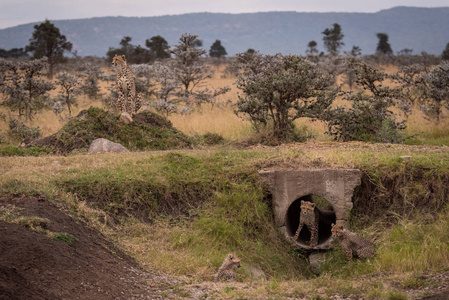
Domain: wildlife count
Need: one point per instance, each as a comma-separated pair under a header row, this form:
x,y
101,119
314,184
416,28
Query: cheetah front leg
x,y
119,106
296,236
314,238
348,251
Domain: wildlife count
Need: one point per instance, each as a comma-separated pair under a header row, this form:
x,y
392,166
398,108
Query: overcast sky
x,y
16,12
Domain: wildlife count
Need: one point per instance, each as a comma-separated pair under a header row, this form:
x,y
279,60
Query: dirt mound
x,y
149,131
34,266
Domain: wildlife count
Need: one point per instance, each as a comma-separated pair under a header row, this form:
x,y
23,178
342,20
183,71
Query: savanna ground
x,y
149,225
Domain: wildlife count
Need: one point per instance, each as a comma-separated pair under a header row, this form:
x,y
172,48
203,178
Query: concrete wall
x,y
336,186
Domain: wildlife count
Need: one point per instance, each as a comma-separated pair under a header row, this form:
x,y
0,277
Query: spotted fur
x,y
226,271
128,100
352,244
309,217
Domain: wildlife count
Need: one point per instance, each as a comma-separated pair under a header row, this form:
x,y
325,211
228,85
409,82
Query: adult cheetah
x,y
128,101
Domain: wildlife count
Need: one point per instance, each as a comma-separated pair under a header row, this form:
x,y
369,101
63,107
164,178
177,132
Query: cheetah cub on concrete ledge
x,y
309,216
352,244
226,271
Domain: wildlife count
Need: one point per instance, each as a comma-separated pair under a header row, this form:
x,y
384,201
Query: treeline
x,y
275,89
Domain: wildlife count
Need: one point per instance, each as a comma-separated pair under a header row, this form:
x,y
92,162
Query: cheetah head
x,y
337,230
118,60
233,261
307,207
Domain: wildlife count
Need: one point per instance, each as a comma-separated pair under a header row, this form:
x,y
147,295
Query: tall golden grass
x,y
222,120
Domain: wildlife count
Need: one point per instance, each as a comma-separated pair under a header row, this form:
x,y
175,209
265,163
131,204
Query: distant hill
x,y
420,29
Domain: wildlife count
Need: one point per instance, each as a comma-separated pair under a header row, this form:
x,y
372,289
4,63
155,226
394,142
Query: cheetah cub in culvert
x,y
226,271
310,217
352,244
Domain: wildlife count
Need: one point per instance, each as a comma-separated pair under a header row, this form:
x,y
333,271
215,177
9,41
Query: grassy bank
x,y
182,212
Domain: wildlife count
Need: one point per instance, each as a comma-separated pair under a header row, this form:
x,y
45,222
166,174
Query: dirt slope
x,y
34,266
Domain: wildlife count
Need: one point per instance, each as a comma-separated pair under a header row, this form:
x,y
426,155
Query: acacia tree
x,y
69,85
311,48
445,54
90,74
191,73
47,41
158,46
25,90
279,89
333,39
217,50
434,91
383,47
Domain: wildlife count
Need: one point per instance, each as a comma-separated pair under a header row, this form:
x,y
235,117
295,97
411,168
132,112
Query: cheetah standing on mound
x,y
310,217
128,101
226,271
352,244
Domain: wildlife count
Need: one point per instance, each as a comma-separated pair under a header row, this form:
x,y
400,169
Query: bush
x,y
279,89
19,130
370,117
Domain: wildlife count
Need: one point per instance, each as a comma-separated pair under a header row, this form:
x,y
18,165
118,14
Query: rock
x,y
104,145
125,118
257,273
316,259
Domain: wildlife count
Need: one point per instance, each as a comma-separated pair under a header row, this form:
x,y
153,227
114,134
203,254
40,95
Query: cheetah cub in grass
x,y
226,271
310,217
352,244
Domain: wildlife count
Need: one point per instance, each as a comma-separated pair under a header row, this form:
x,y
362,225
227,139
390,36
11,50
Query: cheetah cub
x,y
226,271
310,217
352,244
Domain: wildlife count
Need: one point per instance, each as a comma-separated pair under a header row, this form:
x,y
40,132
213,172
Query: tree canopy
x,y
333,39
445,54
158,47
47,41
383,47
217,50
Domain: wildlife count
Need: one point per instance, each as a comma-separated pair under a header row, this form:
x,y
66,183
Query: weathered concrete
x,y
336,186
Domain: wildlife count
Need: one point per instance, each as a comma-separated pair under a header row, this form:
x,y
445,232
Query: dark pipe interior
x,y
327,217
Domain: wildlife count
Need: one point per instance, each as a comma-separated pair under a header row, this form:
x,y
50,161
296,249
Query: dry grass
x,y
221,119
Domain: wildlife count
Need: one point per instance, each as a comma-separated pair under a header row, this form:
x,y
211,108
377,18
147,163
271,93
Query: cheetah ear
x,y
333,225
302,202
123,56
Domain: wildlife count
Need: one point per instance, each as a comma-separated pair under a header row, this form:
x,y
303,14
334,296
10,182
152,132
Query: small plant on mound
x,y
148,132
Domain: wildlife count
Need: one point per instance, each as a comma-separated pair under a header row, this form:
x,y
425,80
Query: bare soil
x,y
34,266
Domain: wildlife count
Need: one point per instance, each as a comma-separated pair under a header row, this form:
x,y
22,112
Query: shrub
x,y
370,117
279,89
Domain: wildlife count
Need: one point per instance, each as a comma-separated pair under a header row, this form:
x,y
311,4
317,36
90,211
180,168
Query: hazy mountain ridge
x,y
420,29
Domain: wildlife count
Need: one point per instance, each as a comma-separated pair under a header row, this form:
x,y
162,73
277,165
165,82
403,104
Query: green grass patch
x,y
11,150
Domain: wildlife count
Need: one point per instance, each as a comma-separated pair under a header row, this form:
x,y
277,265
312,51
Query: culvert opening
x,y
327,217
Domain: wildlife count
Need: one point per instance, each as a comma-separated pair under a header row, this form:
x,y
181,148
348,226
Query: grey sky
x,y
16,12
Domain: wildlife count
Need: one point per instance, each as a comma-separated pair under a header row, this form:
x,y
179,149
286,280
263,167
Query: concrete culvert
x,y
330,189
327,217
